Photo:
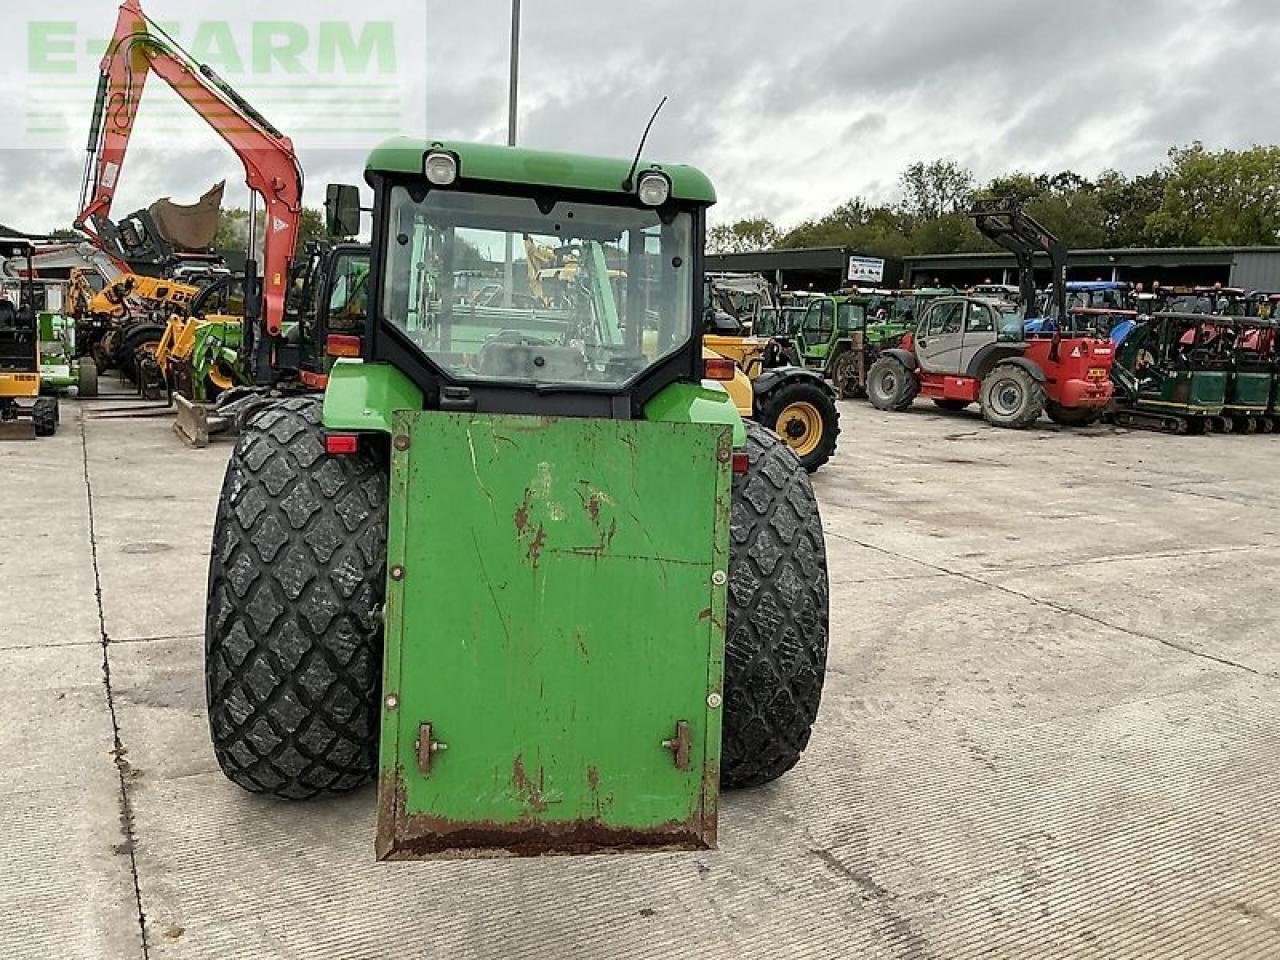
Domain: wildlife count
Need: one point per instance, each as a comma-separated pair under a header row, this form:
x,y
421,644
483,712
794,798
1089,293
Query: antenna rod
x,y
628,183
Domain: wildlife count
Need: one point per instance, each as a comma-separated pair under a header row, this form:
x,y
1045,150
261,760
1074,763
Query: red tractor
x,y
987,351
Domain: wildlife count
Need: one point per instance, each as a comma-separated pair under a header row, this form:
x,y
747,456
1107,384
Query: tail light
x,y
741,463
337,345
718,368
341,444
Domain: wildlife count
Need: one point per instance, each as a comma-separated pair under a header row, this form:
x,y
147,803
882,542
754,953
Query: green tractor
x,y
523,565
841,336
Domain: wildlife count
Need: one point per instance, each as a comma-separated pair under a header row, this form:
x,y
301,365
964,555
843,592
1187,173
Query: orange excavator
x,y
138,48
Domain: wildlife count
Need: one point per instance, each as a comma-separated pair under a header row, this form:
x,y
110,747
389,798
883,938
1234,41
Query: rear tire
x,y
1012,397
44,416
891,386
87,380
293,638
950,405
776,635
844,374
803,414
1072,416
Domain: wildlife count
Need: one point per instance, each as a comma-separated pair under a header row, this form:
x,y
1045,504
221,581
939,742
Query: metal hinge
x,y
426,747
679,745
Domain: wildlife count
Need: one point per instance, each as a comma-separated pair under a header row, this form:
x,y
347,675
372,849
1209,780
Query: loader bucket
x,y
190,227
554,636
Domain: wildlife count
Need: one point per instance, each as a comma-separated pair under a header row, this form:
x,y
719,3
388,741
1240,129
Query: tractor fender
x,y
776,377
1027,365
364,396
904,357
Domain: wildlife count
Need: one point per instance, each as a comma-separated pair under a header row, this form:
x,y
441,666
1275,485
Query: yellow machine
x,y
112,301
793,402
24,414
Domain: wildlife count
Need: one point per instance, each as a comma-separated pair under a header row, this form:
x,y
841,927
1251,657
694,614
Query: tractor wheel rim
x,y
888,383
800,425
1007,397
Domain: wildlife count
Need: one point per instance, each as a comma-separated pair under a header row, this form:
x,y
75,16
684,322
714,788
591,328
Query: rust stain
x,y
521,515
593,778
705,614
582,645
422,836
593,506
530,791
535,548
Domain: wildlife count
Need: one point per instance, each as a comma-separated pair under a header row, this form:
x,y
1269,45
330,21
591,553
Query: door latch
x,y
679,745
426,748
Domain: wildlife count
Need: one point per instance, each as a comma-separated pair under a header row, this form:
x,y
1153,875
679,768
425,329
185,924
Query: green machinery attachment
x,y
524,565
1171,373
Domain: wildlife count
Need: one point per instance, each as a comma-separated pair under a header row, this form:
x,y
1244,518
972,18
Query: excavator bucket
x,y
190,227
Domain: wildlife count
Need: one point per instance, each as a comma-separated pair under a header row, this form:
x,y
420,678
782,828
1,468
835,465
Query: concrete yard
x,y
1051,713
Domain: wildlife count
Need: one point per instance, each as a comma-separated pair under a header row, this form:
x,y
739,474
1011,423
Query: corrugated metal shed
x,y
1256,269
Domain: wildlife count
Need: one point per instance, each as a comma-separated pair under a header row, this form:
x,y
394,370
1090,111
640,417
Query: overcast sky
x,y
790,107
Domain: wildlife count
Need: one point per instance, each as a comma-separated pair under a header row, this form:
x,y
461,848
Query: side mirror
x,y
342,210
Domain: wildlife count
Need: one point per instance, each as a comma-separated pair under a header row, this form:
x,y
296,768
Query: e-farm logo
x,y
325,82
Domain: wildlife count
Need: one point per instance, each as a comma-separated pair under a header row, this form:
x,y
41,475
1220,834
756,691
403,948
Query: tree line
x,y
1197,197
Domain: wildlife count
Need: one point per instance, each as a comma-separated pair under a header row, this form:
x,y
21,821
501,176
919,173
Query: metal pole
x,y
513,87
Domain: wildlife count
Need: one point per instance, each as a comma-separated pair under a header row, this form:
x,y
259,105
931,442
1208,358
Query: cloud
x,y
791,108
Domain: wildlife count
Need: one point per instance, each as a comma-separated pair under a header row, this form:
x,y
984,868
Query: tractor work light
x,y
653,189
441,168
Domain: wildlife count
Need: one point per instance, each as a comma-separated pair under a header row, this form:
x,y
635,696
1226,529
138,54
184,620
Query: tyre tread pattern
x,y
293,646
777,628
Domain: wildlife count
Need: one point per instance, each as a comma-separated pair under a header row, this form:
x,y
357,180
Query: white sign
x,y
865,270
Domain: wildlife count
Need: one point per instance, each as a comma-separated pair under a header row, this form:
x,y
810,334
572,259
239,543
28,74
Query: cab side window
x,y
819,321
981,320
945,318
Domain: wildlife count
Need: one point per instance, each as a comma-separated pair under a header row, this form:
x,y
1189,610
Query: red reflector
x,y
337,345
741,462
341,444
718,368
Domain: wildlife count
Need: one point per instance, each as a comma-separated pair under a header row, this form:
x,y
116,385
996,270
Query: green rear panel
x,y
555,609
1249,393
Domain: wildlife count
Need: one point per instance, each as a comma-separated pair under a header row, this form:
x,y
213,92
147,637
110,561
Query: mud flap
x,y
554,636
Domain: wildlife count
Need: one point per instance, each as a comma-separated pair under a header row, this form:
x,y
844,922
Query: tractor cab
x,y
523,563
24,414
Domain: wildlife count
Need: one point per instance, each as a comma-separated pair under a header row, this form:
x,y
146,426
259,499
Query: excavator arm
x,y
139,48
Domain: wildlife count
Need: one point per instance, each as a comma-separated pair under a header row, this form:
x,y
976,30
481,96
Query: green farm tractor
x,y
521,563
839,337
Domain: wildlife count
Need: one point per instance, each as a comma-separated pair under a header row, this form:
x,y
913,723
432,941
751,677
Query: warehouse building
x,y
824,269
820,269
1253,268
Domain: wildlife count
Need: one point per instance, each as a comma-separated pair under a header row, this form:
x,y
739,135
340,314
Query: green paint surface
x,y
1249,392
557,616
364,396
499,164
708,402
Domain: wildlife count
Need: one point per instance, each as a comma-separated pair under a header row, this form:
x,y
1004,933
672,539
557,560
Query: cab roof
x,y
539,168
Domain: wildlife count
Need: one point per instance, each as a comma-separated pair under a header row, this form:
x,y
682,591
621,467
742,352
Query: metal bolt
x,y
401,442
392,701
719,578
714,700
723,454
397,573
